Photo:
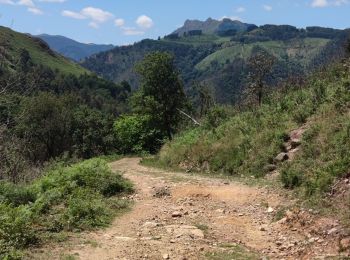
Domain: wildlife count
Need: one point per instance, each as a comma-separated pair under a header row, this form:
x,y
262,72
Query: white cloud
x,y
96,14
240,9
28,3
267,8
7,2
31,7
35,10
326,3
144,22
119,22
73,15
319,3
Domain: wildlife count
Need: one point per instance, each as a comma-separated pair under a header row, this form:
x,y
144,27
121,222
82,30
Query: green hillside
x,y
219,59
11,44
198,40
246,141
300,50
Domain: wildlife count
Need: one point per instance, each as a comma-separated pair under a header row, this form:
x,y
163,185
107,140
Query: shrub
x,y
86,209
15,194
136,133
16,228
216,116
92,174
76,197
291,178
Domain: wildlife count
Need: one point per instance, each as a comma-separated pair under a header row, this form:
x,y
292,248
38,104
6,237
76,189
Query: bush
x,y
291,178
216,116
135,133
92,174
76,197
86,209
16,229
15,195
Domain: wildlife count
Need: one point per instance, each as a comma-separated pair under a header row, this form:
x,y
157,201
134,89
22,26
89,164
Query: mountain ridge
x,y
73,49
219,59
212,26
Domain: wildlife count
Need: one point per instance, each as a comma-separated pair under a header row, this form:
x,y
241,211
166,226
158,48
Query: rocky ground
x,y
184,216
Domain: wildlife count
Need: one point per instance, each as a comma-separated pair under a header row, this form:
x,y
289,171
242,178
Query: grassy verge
x,y
80,197
245,143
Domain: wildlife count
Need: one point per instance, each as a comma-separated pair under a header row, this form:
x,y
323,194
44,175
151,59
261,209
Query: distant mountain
x,y
215,53
13,45
212,26
72,49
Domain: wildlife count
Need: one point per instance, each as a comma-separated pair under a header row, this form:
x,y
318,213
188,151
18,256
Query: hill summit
x,y
212,26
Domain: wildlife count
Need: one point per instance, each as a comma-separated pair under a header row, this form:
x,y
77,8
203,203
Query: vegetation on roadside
x,y
82,196
247,142
49,114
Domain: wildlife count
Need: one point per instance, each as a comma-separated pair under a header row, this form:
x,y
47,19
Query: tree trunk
x,y
260,93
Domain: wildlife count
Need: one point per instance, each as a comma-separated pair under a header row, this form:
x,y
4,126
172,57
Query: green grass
x,y
301,50
73,198
232,251
200,39
244,143
14,42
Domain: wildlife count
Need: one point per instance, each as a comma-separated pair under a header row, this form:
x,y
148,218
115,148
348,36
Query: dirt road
x,y
183,216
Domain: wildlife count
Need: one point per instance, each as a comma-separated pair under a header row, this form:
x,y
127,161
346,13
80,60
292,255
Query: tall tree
x,y
161,95
202,97
260,66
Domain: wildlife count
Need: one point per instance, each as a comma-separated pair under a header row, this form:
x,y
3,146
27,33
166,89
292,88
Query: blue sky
x,y
126,21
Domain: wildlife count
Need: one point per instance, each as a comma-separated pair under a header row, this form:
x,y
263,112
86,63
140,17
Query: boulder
x,y
185,231
176,214
281,157
270,210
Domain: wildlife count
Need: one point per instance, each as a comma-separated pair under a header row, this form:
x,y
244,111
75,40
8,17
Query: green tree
x,y
260,66
25,60
92,132
45,121
161,94
206,99
134,134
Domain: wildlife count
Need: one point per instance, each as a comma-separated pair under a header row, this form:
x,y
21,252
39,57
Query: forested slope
x,y
218,58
